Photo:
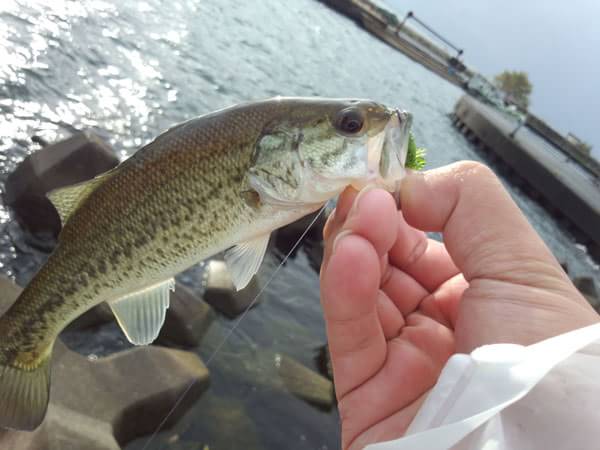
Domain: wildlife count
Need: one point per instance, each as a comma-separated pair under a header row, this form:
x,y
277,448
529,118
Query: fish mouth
x,y
397,137
386,152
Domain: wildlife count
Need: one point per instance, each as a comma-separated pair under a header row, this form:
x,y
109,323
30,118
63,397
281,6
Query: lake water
x,y
132,69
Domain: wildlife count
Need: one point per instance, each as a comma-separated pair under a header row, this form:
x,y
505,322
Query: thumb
x,y
485,232
517,290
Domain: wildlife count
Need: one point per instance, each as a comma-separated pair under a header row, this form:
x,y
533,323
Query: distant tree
x,y
579,143
516,85
585,147
388,16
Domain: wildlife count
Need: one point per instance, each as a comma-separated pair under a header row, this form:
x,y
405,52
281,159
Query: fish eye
x,y
349,121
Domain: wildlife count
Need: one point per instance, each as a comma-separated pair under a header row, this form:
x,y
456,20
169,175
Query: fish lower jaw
x,y
372,179
390,186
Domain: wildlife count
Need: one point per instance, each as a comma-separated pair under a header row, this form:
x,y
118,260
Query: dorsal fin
x,y
67,199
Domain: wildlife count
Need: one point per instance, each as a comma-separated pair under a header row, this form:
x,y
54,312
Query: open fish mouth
x,y
386,153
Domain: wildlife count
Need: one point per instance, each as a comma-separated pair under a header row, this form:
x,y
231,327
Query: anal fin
x,y
244,259
141,314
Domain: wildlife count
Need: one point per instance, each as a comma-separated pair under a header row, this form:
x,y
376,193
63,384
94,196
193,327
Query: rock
x,y
323,360
98,315
305,383
113,399
63,429
288,235
220,292
278,372
586,286
218,423
9,291
132,390
285,238
76,159
589,290
188,319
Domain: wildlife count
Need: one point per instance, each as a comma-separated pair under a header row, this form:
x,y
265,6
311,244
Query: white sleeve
x,y
509,397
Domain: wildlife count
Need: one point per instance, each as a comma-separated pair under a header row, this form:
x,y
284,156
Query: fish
x,y
221,182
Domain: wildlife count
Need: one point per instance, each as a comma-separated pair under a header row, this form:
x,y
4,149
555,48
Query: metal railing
x,y
411,15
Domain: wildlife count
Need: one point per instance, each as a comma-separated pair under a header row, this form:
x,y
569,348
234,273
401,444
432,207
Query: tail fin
x,y
24,395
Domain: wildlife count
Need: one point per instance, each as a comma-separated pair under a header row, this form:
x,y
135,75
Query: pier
x,y
387,27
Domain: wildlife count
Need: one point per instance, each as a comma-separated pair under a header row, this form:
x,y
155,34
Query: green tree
x,y
579,143
516,85
586,148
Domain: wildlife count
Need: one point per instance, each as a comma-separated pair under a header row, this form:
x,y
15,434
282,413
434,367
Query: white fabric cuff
x,y
508,396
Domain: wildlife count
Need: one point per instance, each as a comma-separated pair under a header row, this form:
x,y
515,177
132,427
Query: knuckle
x,y
476,176
474,169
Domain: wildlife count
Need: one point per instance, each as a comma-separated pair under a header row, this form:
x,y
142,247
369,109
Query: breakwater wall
x,y
555,138
561,185
386,27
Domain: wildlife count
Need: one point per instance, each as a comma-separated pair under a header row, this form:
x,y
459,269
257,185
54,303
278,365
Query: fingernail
x,y
359,196
339,237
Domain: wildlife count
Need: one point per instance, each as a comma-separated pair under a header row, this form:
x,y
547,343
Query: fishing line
x,y
233,328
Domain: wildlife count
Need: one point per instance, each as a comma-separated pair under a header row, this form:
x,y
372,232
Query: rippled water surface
x,y
131,69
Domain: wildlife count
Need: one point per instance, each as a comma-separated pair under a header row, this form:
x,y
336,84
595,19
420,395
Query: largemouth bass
x,y
220,182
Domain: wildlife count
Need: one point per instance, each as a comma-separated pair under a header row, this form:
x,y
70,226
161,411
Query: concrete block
x,y
63,429
586,286
76,159
98,315
188,318
589,290
9,291
220,292
279,372
286,237
323,360
304,383
220,422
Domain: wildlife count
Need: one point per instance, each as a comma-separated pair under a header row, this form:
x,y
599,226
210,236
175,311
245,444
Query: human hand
x,y
398,305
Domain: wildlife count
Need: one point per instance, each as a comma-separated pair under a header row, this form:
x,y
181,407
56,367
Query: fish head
x,y
320,147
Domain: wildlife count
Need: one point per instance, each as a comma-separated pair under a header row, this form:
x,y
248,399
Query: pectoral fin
x,y
141,314
244,260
